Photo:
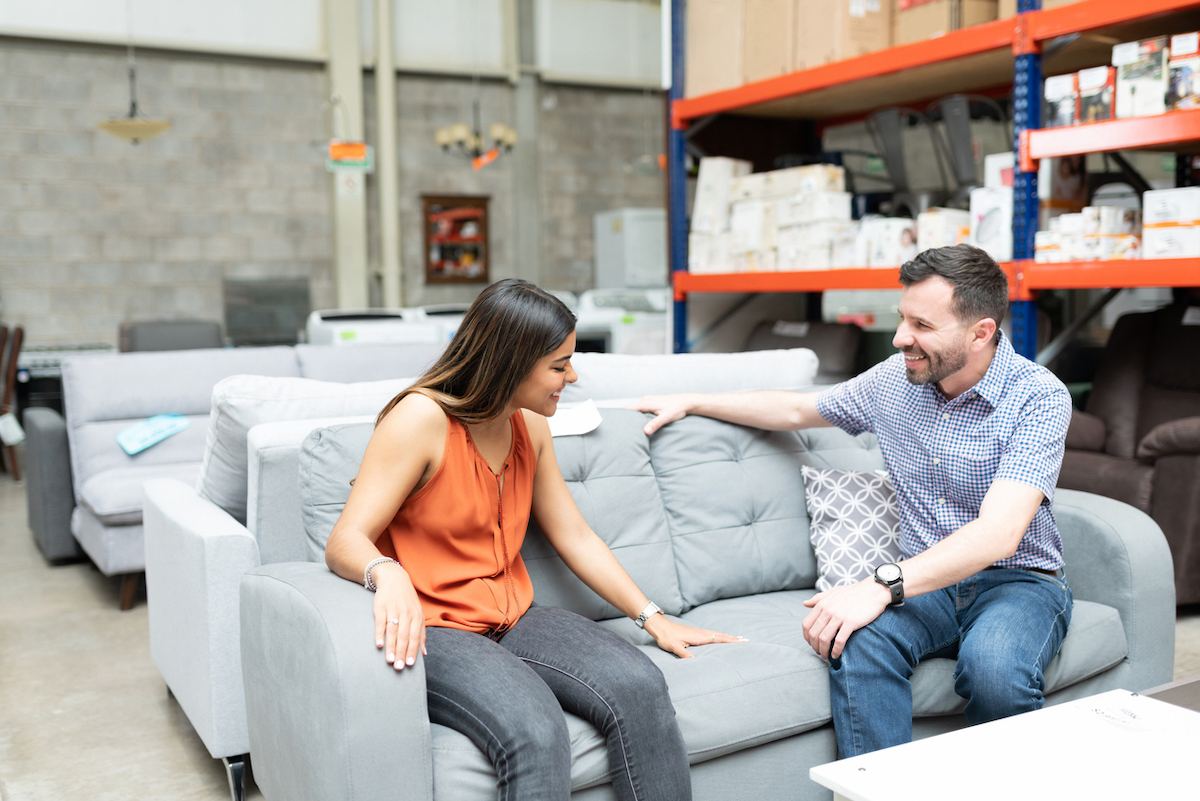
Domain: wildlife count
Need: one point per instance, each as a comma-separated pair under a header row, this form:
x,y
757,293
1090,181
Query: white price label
x,y
858,8
1126,53
1185,44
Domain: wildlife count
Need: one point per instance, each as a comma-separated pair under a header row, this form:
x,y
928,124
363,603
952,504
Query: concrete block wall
x,y
95,231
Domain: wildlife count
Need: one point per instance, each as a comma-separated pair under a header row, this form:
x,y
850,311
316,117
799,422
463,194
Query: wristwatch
x,y
889,575
650,611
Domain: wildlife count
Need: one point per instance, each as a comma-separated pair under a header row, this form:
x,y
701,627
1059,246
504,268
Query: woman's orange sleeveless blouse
x,y
459,537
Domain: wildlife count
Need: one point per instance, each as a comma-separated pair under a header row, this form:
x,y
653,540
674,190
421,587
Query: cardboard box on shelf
x,y
1120,247
1118,221
1097,94
1142,76
991,221
833,30
938,227
1183,85
1177,206
752,186
808,178
1170,242
714,46
892,241
714,193
752,223
769,31
1062,182
1047,247
1008,8
850,248
918,20
1060,101
807,207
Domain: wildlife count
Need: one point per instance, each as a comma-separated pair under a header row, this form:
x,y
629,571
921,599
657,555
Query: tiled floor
x,y
84,713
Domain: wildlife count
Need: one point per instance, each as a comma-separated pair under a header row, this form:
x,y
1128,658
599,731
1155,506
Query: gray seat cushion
x,y
115,496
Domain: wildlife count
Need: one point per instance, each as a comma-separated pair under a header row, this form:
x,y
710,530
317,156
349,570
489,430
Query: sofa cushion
x,y
115,496
612,375
760,543
329,461
855,523
241,402
346,363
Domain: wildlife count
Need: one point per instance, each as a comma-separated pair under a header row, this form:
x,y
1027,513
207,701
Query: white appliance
x,y
631,248
624,321
410,326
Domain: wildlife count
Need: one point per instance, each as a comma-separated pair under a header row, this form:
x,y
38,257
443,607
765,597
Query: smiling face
x,y
540,390
937,346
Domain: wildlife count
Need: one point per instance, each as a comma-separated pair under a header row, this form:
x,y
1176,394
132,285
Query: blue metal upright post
x,y
677,222
1027,114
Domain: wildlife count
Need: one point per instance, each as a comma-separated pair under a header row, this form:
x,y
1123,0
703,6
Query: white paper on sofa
x,y
574,419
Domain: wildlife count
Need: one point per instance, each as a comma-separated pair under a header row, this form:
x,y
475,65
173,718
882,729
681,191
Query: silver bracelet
x,y
367,582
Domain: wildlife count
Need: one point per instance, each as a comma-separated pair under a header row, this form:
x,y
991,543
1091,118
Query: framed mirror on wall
x,y
456,239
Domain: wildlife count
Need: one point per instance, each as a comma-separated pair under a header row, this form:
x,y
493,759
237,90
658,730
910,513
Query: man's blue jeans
x,y
1003,625
508,697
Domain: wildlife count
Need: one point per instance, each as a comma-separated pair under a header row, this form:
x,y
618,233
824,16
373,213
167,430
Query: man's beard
x,y
938,365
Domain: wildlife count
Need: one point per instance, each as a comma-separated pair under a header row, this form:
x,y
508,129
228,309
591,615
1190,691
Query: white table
x,y
1116,745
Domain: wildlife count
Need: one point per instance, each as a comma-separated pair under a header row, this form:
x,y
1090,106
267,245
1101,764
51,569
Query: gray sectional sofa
x,y
708,517
84,493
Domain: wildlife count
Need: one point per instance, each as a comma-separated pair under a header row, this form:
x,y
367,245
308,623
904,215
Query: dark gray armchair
x,y
1139,439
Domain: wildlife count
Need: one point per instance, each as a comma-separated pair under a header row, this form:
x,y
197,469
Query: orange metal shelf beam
x,y
1164,130
1104,274
1092,15
808,281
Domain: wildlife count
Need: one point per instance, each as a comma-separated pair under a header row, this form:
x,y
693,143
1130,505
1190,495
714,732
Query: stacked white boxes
x,y
1171,223
891,241
710,243
938,228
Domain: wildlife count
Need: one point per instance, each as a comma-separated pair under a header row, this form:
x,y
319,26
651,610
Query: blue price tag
x,y
142,435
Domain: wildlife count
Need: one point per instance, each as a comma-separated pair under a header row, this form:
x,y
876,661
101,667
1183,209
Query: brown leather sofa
x,y
1139,440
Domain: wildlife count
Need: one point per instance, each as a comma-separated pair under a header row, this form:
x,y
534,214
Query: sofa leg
x,y
235,769
130,583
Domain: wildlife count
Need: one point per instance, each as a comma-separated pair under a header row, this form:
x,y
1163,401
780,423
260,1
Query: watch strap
x,y
650,611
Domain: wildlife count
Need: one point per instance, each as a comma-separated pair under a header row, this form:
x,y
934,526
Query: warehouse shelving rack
x,y
982,58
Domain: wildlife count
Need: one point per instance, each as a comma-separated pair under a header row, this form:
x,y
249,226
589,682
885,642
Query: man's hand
x,y
841,611
666,408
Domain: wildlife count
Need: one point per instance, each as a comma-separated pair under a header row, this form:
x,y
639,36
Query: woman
x,y
435,523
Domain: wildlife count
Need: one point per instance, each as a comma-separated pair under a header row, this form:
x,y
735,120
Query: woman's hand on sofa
x,y
399,619
674,637
841,611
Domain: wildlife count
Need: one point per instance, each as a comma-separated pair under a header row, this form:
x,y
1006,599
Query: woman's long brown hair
x,y
510,326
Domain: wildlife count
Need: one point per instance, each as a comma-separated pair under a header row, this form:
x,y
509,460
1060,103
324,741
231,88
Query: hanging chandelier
x,y
132,127
467,140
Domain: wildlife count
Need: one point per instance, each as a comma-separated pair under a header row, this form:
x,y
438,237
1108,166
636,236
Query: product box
x,y
1142,76
1097,94
752,223
710,253
1060,101
1008,8
1120,247
1062,182
1118,221
1047,247
808,207
938,227
892,241
918,20
714,46
1183,86
833,30
991,221
1170,242
748,187
714,193
1171,206
850,248
769,31
808,178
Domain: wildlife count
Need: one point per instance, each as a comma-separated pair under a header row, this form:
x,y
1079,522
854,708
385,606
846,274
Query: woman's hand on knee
x,y
399,619
675,637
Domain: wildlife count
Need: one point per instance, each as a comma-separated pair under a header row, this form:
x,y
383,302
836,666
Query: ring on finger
x,y
714,639
395,621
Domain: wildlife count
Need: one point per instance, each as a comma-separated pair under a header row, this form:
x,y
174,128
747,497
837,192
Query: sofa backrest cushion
x,y
604,376
365,362
329,460
241,402
734,498
106,393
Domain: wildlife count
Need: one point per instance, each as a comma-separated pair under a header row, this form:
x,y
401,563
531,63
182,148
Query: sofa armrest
x,y
328,717
49,493
1117,555
1086,432
1173,438
196,554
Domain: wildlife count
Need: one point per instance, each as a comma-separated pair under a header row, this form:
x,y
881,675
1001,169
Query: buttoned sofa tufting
x,y
709,518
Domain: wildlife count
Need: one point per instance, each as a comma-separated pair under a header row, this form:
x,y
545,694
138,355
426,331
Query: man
x,y
973,438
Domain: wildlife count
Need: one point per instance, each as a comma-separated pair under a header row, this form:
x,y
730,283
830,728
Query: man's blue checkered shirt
x,y
943,455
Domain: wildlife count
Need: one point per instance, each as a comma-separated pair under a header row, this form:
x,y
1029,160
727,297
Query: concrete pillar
x,y
348,189
386,172
526,164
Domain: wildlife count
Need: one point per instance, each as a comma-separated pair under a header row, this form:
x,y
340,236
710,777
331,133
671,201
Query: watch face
x,y
888,572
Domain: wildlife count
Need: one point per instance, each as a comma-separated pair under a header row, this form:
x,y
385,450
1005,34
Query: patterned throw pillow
x,y
854,523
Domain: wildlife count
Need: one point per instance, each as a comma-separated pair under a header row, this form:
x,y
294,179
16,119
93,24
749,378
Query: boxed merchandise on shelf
x,y
710,253
752,223
1167,242
833,30
807,207
1171,223
918,20
769,31
748,187
1183,86
810,246
938,227
1060,101
714,192
1142,75
891,241
808,178
991,221
1008,8
850,248
1097,93
1097,233
715,41
1062,183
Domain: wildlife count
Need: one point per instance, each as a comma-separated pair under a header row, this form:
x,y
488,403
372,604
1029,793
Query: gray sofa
x,y
710,520
84,493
